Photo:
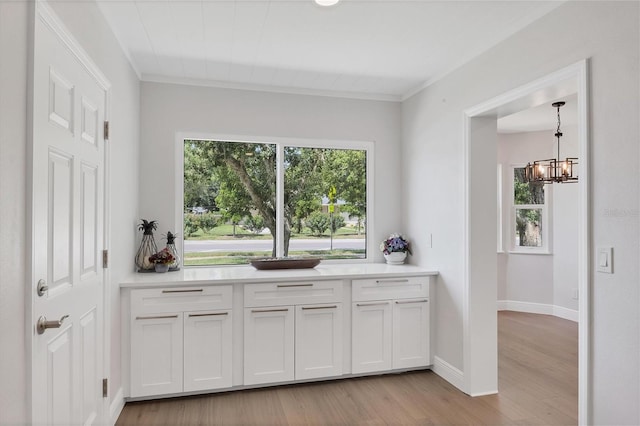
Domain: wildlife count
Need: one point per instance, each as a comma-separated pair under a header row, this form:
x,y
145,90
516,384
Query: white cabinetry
x,y
292,331
268,345
390,324
181,340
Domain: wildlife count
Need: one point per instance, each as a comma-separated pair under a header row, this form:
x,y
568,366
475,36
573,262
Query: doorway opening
x,y
480,257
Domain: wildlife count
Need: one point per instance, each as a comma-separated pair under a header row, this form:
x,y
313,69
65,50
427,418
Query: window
x,y
247,200
530,215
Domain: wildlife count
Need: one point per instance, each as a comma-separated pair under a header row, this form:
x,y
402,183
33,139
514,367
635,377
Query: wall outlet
x,y
574,293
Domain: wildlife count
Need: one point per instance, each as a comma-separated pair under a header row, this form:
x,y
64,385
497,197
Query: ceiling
x,y
541,117
370,49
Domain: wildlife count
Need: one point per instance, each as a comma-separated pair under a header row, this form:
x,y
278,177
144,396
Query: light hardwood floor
x,y
538,385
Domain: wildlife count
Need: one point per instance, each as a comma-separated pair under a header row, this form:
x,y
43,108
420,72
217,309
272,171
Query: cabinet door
x,y
371,336
268,345
156,354
207,350
411,333
318,341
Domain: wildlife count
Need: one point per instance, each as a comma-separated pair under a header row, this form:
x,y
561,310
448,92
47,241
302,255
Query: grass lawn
x,y
225,232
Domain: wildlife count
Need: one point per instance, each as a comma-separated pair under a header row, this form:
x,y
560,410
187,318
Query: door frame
x,y
40,10
474,307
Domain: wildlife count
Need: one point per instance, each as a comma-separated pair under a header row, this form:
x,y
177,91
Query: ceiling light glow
x,y
326,2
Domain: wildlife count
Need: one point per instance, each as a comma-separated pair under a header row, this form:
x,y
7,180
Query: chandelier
x,y
554,169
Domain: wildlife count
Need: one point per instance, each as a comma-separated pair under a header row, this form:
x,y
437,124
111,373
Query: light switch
x,y
604,260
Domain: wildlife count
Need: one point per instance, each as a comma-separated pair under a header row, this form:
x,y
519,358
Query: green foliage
x,y
194,222
255,224
337,222
524,192
318,223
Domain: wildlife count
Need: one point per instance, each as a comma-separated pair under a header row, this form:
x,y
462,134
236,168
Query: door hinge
x,y
105,258
105,388
106,130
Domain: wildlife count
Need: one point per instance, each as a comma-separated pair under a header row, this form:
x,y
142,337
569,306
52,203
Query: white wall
x,y
169,108
13,156
533,278
88,26
433,136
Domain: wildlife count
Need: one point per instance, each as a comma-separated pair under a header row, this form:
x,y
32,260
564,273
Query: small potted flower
x,y
162,260
395,249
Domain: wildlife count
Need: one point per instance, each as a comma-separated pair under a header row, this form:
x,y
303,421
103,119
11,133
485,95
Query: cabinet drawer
x,y
175,299
292,293
390,288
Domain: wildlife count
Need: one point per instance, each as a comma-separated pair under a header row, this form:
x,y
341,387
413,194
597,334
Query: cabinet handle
x,y
208,315
306,308
402,302
391,281
157,317
295,285
199,290
372,304
258,311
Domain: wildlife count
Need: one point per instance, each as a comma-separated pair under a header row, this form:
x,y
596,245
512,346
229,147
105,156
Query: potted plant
x,y
162,260
395,249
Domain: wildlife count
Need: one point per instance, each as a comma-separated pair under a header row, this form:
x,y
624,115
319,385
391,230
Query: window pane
x,y
528,228
526,193
229,202
325,202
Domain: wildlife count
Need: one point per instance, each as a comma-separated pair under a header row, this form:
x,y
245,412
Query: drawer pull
x,y
372,304
208,315
306,308
402,302
259,311
295,285
183,291
157,317
391,281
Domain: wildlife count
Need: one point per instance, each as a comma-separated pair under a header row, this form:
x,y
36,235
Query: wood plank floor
x,y
538,384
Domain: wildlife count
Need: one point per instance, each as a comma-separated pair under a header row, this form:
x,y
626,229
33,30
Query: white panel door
x,y
208,348
371,336
67,235
411,333
268,345
156,354
318,341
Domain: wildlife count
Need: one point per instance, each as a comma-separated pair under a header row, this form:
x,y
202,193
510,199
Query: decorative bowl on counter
x,y
285,263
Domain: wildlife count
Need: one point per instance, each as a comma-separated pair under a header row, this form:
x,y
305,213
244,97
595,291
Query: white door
x,y
411,333
208,348
371,337
268,345
67,236
156,354
318,341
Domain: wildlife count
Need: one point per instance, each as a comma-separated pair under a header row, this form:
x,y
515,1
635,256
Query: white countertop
x,y
248,274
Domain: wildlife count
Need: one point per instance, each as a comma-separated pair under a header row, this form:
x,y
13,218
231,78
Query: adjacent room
x,y
319,212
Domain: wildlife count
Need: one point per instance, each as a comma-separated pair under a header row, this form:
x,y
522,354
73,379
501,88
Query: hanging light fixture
x,y
554,169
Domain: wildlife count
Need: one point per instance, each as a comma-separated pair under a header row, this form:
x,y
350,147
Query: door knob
x,y
43,324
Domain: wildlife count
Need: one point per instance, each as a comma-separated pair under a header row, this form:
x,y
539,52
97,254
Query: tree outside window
x,y
236,183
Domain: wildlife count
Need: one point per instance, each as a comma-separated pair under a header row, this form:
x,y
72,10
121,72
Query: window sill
x,y
538,252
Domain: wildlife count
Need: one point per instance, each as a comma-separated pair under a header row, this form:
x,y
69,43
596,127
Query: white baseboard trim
x,y
117,404
538,308
448,372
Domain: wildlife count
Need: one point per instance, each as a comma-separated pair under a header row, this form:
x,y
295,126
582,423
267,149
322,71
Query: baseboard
x,y
117,404
448,372
538,308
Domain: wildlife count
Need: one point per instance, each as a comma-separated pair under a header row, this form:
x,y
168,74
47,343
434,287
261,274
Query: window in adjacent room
x,y
530,221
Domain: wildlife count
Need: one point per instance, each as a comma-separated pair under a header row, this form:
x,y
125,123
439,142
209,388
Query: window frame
x,y
280,143
546,221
